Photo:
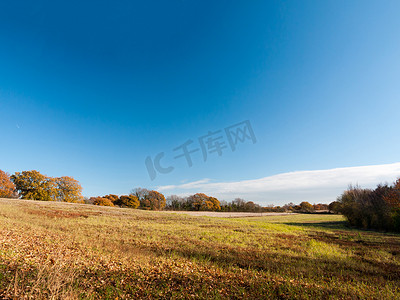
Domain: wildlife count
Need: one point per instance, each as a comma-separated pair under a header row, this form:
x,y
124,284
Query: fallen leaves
x,y
58,253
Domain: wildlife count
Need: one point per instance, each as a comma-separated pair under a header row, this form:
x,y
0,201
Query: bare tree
x,y
140,193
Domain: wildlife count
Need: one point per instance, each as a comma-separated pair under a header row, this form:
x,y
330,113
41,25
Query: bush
x,y
129,201
334,207
101,201
113,198
375,209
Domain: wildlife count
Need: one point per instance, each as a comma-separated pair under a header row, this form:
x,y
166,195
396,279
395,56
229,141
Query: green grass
x,y
71,251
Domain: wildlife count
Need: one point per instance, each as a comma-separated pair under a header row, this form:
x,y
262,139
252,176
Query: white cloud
x,y
313,186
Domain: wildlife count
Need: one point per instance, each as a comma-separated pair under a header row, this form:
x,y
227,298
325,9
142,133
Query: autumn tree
x,y
7,187
201,201
196,201
215,204
68,189
306,207
35,186
153,200
321,206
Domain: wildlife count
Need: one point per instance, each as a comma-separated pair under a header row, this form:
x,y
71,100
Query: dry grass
x,y
72,251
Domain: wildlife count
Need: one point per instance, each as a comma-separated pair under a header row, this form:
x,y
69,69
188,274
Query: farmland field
x,y
77,251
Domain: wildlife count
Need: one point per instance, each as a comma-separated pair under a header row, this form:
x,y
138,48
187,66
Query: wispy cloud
x,y
312,186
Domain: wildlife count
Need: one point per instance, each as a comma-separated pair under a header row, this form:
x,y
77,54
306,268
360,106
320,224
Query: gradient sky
x,y
90,89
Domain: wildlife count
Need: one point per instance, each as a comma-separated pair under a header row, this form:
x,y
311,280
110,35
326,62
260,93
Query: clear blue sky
x,y
90,89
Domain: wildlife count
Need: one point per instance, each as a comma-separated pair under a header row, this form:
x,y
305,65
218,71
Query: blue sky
x,y
91,89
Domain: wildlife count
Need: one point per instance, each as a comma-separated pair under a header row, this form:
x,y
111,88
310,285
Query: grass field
x,y
73,251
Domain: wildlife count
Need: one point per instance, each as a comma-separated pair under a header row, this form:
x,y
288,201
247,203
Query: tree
x,y
35,186
201,201
238,204
351,205
306,207
153,200
7,187
175,202
68,190
197,201
140,193
250,206
129,201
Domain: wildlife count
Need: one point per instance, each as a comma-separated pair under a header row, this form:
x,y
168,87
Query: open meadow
x,y
76,251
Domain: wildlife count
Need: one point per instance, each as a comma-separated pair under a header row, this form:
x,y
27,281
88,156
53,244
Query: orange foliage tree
x,y
7,187
201,201
153,200
215,204
306,206
68,189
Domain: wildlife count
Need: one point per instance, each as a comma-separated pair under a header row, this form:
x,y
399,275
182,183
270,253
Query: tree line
x,y
33,185
191,203
138,198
